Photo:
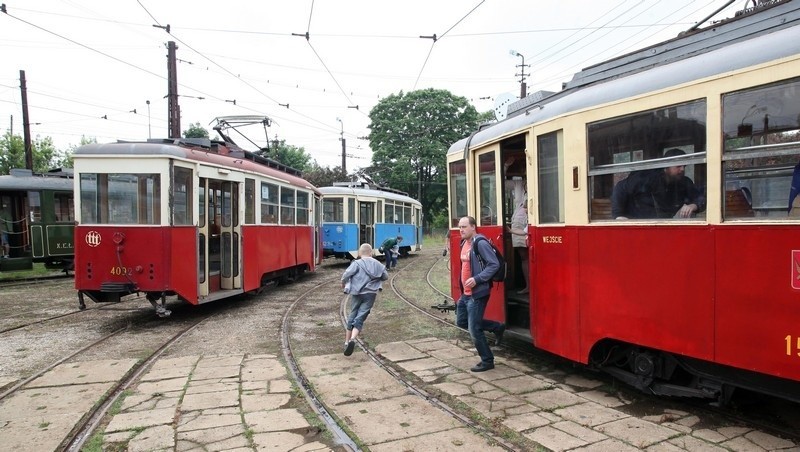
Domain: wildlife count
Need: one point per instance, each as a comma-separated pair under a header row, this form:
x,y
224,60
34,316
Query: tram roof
x,y
327,191
27,180
764,40
233,158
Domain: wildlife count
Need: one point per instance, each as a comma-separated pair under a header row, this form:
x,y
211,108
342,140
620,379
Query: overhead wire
x,y
430,50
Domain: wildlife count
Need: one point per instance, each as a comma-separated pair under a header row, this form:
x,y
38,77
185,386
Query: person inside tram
x,y
5,228
657,193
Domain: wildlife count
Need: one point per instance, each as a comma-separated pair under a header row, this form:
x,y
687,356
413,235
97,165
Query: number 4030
x,y
789,345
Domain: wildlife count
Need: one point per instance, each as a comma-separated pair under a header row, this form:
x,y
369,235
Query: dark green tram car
x,y
38,217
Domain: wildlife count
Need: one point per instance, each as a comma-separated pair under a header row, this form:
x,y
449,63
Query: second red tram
x,y
688,306
200,219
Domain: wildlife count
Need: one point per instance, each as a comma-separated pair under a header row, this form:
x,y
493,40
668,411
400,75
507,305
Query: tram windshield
x,y
120,198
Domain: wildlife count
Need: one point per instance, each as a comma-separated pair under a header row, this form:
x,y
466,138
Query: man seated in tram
x,y
657,193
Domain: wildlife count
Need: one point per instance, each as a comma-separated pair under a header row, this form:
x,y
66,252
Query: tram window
x,y
761,130
228,204
121,198
388,212
406,214
551,194
333,210
653,160
269,203
487,189
302,208
182,196
287,206
35,204
63,203
351,210
379,218
458,192
249,201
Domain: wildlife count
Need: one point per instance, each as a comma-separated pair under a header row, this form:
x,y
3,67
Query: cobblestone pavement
x,y
241,402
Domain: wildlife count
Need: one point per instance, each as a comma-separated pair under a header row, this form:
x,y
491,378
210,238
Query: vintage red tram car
x,y
673,304
201,219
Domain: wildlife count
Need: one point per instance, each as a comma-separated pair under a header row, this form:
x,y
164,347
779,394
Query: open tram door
x,y
366,222
219,239
489,217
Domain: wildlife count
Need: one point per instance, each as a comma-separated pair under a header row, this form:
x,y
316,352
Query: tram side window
x,y
761,131
182,196
333,210
302,208
649,165
64,208
287,206
269,203
388,212
122,198
551,198
458,192
35,204
487,189
249,201
351,210
406,214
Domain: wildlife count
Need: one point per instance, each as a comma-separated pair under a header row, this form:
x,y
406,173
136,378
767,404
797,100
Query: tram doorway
x,y
366,222
219,237
517,252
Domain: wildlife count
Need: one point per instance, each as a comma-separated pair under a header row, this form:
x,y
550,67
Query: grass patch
x,y
116,407
95,443
38,270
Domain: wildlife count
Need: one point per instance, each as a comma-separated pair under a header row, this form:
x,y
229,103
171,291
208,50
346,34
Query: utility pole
x,y
522,85
174,110
344,147
26,125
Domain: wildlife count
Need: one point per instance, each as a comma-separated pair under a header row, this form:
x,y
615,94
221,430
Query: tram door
x,y
490,221
366,222
220,229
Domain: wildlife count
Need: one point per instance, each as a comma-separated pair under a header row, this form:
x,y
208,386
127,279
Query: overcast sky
x,y
89,59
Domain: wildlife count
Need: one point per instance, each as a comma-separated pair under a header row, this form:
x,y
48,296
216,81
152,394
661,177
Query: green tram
x,y
37,215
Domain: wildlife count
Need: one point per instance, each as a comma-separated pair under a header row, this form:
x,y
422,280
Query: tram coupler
x,y
161,310
445,306
81,303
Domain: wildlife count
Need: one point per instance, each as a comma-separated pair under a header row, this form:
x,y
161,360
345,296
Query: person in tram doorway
x,y
657,193
391,249
5,228
475,287
519,231
362,280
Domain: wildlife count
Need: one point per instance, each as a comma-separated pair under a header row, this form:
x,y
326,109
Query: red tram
x,y
200,219
691,306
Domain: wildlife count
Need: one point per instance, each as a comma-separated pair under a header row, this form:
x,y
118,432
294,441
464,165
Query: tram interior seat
x,y
738,203
601,209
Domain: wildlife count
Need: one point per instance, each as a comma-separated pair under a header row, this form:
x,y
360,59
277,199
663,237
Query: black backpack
x,y
500,274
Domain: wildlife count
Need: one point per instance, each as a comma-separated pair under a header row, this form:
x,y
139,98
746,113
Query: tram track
x,y
61,316
93,419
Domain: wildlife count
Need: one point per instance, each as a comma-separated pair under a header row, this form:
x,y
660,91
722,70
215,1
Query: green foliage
x,y
410,135
324,176
293,156
195,131
45,155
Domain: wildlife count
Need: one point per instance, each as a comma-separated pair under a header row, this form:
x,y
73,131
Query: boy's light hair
x,y
365,249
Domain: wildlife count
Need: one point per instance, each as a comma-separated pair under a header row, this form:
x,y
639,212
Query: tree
x,y
289,155
45,155
195,131
324,176
65,157
410,135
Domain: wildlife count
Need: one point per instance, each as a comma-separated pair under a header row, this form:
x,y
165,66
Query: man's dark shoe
x,y
348,349
501,330
482,367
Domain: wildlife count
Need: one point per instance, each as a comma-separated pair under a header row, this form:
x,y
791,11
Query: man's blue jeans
x,y
469,314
